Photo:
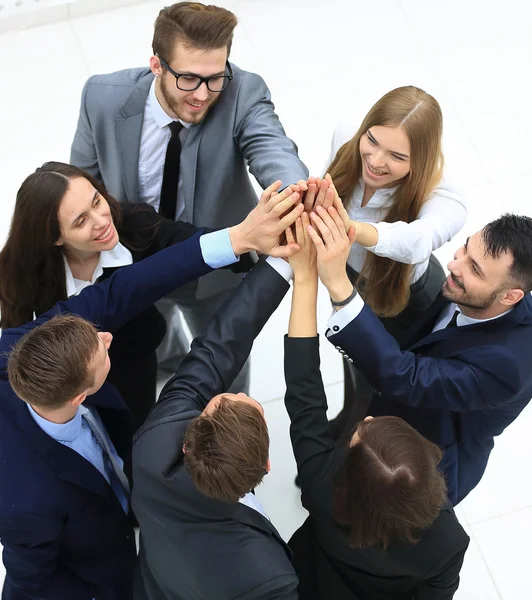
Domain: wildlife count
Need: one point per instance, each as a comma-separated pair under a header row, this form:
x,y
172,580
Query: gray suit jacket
x,y
241,129
193,547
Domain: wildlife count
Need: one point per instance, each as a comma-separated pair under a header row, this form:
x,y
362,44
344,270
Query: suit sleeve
x,y
216,359
470,380
31,552
83,151
306,404
131,289
269,153
444,585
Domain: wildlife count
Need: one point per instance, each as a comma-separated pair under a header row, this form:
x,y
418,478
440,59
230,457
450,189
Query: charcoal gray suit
x,y
193,547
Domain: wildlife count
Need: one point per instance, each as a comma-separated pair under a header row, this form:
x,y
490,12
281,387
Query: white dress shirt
x,y
441,217
119,256
153,143
253,502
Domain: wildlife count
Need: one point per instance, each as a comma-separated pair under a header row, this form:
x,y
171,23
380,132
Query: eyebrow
x,y
369,134
220,73
83,213
474,262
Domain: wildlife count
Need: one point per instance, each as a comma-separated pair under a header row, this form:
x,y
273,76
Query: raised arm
x,y
270,154
305,397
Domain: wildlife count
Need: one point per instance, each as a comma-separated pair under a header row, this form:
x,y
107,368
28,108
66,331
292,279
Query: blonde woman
x,y
389,174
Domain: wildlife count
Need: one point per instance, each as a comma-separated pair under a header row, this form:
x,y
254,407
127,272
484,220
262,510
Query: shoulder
x,y
246,87
448,191
125,78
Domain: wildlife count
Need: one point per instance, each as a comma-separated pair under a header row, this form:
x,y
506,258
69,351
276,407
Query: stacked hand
x,y
302,262
266,223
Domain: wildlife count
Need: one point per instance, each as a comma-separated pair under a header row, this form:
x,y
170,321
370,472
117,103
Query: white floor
x,y
323,60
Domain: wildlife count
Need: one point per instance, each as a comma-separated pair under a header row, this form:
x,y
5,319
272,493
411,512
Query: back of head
x,y
196,25
389,487
226,450
512,234
32,274
50,364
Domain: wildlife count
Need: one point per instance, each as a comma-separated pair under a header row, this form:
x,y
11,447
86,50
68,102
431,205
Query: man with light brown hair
x,y
198,457
180,136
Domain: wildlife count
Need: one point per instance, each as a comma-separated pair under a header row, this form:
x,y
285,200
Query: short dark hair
x,y
50,364
206,27
226,450
513,234
388,486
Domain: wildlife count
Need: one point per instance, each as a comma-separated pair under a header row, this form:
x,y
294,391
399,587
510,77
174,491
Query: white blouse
x,y
119,256
441,217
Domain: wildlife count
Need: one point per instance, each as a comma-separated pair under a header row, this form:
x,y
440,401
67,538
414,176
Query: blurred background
x,y
324,61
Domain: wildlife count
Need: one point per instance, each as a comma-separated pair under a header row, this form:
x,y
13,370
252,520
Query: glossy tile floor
x,y
324,61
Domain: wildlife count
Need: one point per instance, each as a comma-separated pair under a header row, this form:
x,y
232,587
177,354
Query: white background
x,y
324,60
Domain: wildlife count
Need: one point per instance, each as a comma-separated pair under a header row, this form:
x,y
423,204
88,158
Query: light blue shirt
x,y
77,434
217,250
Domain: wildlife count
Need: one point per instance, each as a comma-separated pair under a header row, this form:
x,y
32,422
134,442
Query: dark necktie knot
x,y
452,322
175,127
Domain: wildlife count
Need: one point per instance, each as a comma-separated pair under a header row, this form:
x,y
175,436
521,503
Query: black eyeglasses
x,y
188,82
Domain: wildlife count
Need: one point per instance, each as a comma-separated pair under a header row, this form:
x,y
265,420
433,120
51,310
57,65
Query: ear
x,y
512,297
184,448
59,242
155,66
268,466
78,400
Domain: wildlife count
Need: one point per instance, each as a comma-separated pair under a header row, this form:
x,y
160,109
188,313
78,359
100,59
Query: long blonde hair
x,y
385,283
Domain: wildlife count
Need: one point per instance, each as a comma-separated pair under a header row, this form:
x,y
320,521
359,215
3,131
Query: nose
x,y
377,159
100,219
202,93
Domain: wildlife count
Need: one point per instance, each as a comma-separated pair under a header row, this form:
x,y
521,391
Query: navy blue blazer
x,y
459,387
64,532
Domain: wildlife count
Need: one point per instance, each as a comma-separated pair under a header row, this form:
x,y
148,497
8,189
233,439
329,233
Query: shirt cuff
x,y
281,266
217,250
344,316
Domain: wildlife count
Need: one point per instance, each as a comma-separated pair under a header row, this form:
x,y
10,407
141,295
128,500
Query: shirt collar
x,y
157,112
119,256
381,196
60,432
462,319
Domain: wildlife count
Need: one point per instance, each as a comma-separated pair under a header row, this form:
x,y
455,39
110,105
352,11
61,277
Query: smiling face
x,y
385,156
479,283
190,107
85,220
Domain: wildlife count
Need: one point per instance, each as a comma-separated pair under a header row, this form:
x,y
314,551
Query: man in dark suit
x,y
180,136
64,501
196,460
466,372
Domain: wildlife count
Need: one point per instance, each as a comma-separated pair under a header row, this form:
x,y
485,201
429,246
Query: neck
x,y
59,415
80,257
484,313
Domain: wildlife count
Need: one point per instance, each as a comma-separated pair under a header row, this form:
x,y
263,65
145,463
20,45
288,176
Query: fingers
x,y
352,234
322,228
283,201
265,196
289,236
322,193
300,237
289,219
310,196
285,251
338,220
316,239
336,233
302,185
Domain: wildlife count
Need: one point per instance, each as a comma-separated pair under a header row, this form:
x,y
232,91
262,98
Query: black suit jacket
x,y
328,568
193,547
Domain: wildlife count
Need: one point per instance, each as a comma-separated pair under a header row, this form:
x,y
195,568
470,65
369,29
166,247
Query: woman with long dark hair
x,y
388,173
67,233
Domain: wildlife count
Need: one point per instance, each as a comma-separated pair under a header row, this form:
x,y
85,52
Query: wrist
x,y
306,278
340,290
239,239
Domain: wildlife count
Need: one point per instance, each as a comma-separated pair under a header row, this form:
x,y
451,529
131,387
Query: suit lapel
x,y
425,323
189,162
128,131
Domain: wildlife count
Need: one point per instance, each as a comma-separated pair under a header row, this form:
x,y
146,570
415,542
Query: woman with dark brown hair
x,y
388,174
67,233
380,525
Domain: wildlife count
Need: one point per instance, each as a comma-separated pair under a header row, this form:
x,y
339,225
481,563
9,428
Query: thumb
x,y
285,251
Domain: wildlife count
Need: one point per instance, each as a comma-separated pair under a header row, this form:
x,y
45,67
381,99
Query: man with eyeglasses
x,y
179,136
